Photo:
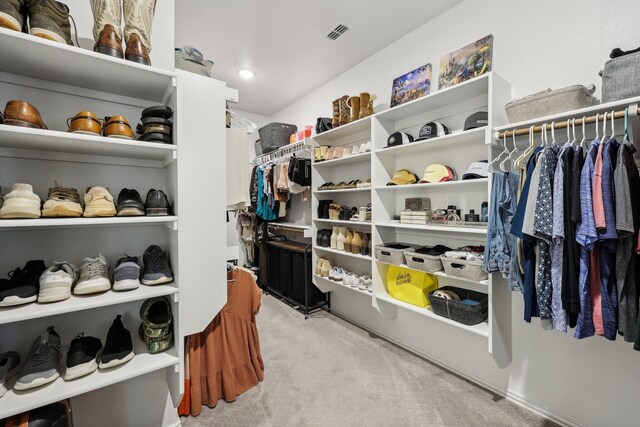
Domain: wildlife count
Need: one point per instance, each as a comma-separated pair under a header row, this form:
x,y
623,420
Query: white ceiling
x,y
284,41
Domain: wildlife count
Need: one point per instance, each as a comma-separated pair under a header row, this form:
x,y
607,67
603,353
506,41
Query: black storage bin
x,y
298,274
286,285
275,135
273,263
457,310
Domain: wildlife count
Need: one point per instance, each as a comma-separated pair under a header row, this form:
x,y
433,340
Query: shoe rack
x,y
60,80
459,149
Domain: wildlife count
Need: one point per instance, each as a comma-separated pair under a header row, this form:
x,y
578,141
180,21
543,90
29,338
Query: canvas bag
x,y
410,286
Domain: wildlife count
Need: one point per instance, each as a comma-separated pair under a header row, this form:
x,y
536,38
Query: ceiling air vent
x,y
338,31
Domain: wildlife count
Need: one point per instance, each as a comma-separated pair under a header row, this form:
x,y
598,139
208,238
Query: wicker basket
x,y
470,270
457,310
393,253
420,261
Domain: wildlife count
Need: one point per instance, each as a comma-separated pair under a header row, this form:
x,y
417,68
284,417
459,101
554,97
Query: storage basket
x,y
418,260
471,270
275,135
550,102
620,78
393,253
457,310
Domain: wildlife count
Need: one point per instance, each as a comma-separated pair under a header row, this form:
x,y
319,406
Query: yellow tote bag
x,y
410,285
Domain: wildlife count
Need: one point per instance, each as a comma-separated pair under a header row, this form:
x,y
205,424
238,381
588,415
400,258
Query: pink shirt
x,y
594,285
598,202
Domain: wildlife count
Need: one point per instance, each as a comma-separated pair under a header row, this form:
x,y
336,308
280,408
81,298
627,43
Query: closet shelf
x,y
343,190
441,274
357,158
477,86
466,137
350,129
60,63
343,253
15,402
343,222
342,285
80,303
445,228
42,223
44,142
481,329
434,185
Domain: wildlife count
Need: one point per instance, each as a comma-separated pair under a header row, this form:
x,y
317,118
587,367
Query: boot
x,y
347,241
336,114
342,231
356,243
107,16
344,110
354,103
366,104
334,238
49,19
138,17
13,14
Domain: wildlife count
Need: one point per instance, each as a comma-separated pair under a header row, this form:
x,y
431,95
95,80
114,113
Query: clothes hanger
x,y
492,167
527,151
504,166
626,124
584,131
553,134
515,149
613,124
597,138
604,128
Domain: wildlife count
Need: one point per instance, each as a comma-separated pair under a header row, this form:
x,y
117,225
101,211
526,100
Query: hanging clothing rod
x,y
563,124
280,152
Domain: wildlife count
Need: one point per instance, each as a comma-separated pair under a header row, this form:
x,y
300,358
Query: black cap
x,y
433,130
476,120
398,138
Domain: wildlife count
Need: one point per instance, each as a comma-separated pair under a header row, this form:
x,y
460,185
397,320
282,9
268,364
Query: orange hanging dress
x,y
225,359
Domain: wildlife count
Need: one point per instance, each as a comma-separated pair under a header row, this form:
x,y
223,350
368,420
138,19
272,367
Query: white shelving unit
x,y
60,80
458,150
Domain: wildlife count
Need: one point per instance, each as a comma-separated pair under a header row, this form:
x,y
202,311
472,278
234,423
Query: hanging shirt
x,y
596,191
608,240
587,237
571,274
558,258
543,229
627,186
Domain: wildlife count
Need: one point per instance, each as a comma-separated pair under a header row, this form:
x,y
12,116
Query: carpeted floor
x,y
327,372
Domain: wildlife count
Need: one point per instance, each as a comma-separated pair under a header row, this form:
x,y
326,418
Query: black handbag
x,y
323,124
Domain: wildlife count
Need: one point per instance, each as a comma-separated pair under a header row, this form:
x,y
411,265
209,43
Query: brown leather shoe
x,y
109,43
136,51
117,127
21,113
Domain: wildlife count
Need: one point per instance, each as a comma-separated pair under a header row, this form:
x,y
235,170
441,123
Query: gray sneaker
x,y
13,14
43,362
9,363
94,276
49,19
126,275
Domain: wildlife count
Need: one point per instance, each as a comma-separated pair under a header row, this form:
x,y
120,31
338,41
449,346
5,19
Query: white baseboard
x,y
508,394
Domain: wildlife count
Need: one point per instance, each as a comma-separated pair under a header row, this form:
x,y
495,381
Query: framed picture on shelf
x,y
471,61
410,86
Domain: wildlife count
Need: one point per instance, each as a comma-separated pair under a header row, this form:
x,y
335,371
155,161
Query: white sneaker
x,y
56,282
365,282
98,202
336,274
94,276
355,280
21,202
367,147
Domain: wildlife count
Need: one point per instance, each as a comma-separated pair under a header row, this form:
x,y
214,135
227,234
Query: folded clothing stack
x,y
156,124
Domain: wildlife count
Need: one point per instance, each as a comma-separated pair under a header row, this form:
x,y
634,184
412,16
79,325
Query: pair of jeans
x,y
494,252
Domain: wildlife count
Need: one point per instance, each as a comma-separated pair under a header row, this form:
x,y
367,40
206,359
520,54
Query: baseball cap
x,y
432,130
476,120
403,177
398,138
438,173
477,170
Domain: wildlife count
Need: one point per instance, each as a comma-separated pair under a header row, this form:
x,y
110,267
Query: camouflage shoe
x,y
49,19
157,324
13,14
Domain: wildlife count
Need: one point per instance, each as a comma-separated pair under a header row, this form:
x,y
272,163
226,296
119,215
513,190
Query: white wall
x,y
536,45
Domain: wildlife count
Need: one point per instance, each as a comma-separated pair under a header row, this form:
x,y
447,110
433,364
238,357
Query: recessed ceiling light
x,y
246,73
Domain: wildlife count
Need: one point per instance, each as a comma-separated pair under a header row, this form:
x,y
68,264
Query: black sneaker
x,y
23,285
130,203
9,364
53,415
156,266
118,347
157,203
82,356
43,362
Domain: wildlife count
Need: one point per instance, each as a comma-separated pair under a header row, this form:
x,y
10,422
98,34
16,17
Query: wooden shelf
x,y
434,185
467,137
83,302
342,161
445,228
481,329
342,285
343,190
343,131
343,253
341,222
70,65
116,221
